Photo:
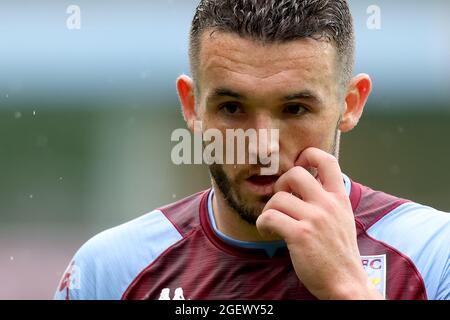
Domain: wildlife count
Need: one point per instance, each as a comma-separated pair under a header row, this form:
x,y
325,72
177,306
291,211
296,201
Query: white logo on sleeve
x,y
178,295
375,267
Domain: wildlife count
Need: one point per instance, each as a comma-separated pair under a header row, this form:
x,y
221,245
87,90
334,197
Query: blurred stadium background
x,y
86,117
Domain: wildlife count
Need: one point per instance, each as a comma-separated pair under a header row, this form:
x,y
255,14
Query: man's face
x,y
292,87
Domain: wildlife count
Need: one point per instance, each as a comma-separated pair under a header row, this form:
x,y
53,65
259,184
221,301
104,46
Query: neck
x,y
231,224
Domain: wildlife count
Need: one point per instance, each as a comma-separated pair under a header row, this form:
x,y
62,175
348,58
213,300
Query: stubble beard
x,y
249,212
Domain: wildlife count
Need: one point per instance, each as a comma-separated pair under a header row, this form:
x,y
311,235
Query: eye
x,y
295,109
231,108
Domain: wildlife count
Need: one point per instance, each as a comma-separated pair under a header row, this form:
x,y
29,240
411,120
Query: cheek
x,y
296,138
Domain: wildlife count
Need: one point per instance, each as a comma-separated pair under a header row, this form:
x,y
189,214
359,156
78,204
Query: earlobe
x,y
185,88
358,92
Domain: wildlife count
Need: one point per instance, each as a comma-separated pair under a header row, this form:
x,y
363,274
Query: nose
x,y
263,120
267,133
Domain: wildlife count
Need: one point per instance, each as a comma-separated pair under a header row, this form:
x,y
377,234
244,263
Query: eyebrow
x,y
225,92
302,95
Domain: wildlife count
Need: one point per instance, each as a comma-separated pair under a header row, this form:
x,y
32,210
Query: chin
x,y
255,204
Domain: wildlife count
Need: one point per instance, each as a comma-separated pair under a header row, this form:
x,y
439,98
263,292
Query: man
x,y
305,232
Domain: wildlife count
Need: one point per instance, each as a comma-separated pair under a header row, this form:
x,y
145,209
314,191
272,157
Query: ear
x,y
185,88
358,92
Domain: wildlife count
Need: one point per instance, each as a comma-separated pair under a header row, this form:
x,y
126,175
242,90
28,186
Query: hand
x,y
315,218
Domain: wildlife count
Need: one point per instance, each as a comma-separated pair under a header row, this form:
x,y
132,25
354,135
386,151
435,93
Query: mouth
x,y
262,185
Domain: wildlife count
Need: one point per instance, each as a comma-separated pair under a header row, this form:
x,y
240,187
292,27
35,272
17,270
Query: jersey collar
x,y
270,248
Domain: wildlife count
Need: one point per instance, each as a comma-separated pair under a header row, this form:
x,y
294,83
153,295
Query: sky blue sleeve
x,y
106,265
423,235
443,292
78,281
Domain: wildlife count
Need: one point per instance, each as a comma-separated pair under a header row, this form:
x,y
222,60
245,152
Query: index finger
x,y
327,166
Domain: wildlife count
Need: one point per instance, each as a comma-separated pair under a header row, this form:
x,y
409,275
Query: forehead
x,y
228,59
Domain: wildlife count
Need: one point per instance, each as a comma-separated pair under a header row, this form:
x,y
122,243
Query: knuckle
x,y
296,171
267,217
304,230
282,196
318,218
330,205
276,201
311,150
331,159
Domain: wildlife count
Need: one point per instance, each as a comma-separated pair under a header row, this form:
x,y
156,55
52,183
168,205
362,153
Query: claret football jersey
x,y
176,252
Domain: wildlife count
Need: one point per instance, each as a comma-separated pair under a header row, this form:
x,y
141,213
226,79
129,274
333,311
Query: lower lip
x,y
262,186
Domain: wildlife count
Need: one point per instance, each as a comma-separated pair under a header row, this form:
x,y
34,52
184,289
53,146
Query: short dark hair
x,y
277,21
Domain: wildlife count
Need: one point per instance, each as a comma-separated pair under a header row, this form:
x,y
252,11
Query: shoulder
x,y
422,234
105,265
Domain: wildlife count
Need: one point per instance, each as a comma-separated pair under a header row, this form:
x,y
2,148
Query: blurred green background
x,y
86,118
